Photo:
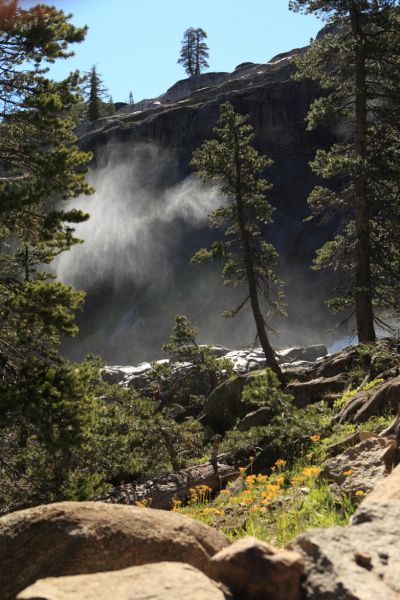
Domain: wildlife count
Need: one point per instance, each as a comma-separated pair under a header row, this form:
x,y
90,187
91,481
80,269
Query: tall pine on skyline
x,y
194,51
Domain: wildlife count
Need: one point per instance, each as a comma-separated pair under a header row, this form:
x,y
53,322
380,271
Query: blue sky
x,y
135,44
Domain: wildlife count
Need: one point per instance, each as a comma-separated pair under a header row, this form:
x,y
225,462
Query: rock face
x,y
71,538
159,581
178,122
308,392
361,467
382,398
254,570
361,561
243,361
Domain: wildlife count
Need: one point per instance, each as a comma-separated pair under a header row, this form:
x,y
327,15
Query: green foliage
x,y
289,429
348,394
356,64
41,168
193,371
48,434
95,91
194,51
235,166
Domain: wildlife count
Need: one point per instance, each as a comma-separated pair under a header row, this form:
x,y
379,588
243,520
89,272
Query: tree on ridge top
x,y
194,51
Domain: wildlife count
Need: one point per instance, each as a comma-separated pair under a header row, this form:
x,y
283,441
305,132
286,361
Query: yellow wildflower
x,y
348,472
315,438
360,493
311,471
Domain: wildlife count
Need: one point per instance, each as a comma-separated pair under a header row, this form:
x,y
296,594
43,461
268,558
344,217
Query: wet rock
x,y
254,570
307,354
71,538
159,581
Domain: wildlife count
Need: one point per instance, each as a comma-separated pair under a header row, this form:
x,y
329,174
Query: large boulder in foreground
x,y
361,561
70,538
157,581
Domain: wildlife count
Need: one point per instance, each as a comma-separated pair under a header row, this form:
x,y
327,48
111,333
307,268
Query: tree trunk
x,y
363,291
252,279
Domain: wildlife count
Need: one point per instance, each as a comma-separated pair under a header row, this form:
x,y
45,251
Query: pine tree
x,y
194,51
357,64
46,404
131,101
200,51
96,93
248,260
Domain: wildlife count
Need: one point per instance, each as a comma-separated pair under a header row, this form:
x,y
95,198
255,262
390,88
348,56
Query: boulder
x,y
254,570
340,362
307,354
256,418
309,392
361,561
158,581
379,400
224,405
388,489
70,538
358,562
361,467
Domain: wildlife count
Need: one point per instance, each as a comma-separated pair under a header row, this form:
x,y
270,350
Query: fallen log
x,y
163,491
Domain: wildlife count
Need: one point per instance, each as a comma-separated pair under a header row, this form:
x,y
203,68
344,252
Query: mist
x,y
134,264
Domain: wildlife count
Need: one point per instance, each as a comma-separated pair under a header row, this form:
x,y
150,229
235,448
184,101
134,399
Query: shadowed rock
x,y
71,538
159,581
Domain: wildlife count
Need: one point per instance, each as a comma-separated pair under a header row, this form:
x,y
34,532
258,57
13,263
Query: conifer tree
x,y
194,51
200,51
248,260
357,64
96,92
131,101
45,402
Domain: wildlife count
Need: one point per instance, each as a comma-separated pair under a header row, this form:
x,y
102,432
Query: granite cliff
x,y
176,123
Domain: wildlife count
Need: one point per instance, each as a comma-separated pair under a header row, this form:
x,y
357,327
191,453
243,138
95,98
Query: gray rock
x,y
358,562
361,561
308,354
158,581
309,392
254,570
256,418
362,466
70,538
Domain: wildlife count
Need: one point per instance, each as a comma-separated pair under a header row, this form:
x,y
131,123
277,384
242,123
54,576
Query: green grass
x,y
292,499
